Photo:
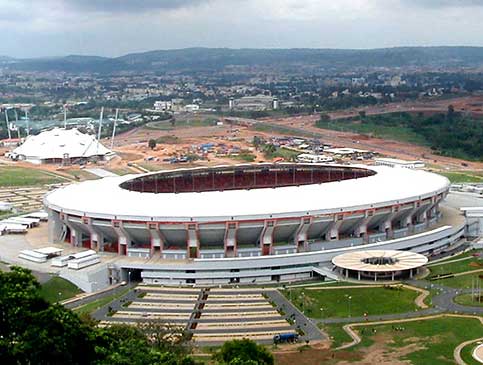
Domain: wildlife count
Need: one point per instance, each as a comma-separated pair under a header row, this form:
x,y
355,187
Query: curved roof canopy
x,y
106,199
59,143
380,260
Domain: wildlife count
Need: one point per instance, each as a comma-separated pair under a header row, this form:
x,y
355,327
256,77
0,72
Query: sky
x,y
42,28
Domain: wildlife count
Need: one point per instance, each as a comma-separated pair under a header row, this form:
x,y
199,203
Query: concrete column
x,y
230,239
56,227
192,241
332,233
301,233
266,237
361,229
408,220
124,239
75,237
97,238
422,215
358,275
156,238
387,226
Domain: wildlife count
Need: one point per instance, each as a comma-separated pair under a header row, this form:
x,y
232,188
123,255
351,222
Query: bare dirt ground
x,y
391,148
380,353
132,146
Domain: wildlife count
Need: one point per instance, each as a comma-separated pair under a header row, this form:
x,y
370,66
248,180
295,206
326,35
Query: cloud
x,y
443,3
129,6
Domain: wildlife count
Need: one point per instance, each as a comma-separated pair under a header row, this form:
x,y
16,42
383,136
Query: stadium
x,y
251,223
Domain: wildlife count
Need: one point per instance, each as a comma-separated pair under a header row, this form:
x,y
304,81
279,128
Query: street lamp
x,y
349,298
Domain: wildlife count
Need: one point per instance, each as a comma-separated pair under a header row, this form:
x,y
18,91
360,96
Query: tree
x,y
451,113
34,332
362,115
243,352
152,144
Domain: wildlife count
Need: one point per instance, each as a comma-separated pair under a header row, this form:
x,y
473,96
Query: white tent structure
x,y
61,145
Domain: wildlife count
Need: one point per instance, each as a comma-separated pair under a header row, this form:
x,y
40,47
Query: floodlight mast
x,y
8,124
100,128
27,119
16,123
114,128
65,117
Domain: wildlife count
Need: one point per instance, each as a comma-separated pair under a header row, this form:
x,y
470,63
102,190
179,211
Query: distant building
x,y
312,158
394,162
163,106
254,103
191,108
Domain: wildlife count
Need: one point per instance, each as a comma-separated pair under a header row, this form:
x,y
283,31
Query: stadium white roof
x,y
59,142
106,199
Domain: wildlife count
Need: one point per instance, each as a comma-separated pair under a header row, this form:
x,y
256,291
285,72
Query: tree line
x,y
33,331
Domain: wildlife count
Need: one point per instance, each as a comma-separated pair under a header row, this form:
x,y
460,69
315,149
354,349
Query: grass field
x,y
337,303
97,304
21,176
81,175
57,289
467,299
166,125
462,177
273,128
244,157
398,133
430,339
469,264
467,354
463,281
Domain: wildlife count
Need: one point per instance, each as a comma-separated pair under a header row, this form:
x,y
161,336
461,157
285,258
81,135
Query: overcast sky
x,y
32,28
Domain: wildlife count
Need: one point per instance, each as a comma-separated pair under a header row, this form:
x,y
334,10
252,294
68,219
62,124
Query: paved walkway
x,y
457,351
101,172
310,328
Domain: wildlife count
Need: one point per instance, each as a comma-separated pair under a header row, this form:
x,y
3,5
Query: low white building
x,y
394,162
312,158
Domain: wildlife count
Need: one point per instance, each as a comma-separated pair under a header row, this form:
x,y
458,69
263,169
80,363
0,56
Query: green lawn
x,y
463,281
335,303
437,337
467,299
336,334
471,263
398,133
467,354
166,125
21,176
58,289
167,140
274,128
243,156
460,177
81,175
97,304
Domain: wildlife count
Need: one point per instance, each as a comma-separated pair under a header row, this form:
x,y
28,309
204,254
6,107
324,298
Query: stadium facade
x,y
251,223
